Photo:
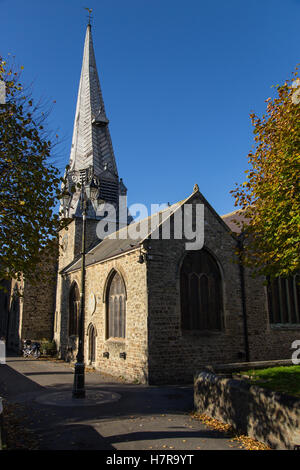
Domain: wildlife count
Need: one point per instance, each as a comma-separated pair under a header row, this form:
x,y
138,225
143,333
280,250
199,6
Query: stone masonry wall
x,y
156,348
174,356
39,301
70,239
266,341
262,414
31,313
134,367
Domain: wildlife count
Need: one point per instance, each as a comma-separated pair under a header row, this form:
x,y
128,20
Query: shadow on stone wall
x,y
63,351
267,416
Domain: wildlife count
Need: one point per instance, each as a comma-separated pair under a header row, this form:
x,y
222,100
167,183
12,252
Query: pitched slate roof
x,y
232,217
114,244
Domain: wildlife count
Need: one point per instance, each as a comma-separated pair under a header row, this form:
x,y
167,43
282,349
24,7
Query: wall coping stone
x,y
241,366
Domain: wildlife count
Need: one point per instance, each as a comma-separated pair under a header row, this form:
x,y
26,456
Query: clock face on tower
x,y
64,242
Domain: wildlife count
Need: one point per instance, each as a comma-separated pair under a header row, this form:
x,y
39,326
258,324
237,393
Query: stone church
x,y
155,311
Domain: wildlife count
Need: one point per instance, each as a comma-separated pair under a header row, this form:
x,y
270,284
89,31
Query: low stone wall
x,y
242,366
270,417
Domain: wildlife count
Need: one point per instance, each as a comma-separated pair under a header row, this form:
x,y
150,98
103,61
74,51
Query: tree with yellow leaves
x,y
270,196
29,185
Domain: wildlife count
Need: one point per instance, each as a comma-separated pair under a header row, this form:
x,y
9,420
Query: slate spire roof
x,y
92,159
91,143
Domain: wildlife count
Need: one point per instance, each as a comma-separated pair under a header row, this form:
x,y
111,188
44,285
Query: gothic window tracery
x,y
200,292
74,306
116,307
284,300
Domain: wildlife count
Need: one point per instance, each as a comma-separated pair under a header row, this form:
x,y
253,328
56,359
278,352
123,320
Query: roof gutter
x,y
125,252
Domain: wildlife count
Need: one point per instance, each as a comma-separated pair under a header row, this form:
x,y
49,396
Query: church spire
x,y
91,143
92,156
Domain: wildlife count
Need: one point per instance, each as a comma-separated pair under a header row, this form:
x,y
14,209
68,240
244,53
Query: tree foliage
x,y
29,185
270,196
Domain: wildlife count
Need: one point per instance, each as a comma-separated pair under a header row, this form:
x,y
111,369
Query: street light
x,y
92,190
79,386
66,198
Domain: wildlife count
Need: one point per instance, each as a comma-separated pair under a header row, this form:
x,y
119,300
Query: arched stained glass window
x,y
74,306
116,307
201,292
284,300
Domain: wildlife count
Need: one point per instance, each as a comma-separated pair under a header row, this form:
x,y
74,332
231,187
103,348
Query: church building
x,y
155,311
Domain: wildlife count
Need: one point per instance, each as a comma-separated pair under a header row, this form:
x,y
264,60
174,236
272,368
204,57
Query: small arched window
x,y
116,307
74,306
92,343
200,292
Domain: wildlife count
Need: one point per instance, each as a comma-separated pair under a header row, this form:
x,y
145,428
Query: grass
x,y
285,379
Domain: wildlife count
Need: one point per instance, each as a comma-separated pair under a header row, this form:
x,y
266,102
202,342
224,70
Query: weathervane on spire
x,y
90,12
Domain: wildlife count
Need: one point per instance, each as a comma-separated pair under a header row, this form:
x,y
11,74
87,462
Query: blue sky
x,y
179,80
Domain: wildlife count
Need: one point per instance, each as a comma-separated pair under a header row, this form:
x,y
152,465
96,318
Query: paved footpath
x,y
145,417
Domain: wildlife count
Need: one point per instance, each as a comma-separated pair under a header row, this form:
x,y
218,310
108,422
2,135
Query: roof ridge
x,y
180,203
231,213
113,234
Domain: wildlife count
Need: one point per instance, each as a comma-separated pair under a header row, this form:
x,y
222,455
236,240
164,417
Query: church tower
x,y
92,161
92,171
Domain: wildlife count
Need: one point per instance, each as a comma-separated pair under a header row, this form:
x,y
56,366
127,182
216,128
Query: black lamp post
x,y
90,192
79,385
66,198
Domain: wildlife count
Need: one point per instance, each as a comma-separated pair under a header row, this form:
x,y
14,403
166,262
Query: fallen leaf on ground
x,y
247,442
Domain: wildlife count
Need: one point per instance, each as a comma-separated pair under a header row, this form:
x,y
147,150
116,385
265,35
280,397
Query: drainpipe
x,y
243,292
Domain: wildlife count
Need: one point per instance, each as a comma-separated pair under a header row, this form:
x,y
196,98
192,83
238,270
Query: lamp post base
x,y
78,386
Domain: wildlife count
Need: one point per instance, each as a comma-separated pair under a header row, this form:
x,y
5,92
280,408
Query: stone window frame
x,y
204,332
285,291
107,285
88,331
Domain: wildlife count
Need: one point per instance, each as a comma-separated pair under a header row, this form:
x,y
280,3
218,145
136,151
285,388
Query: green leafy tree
x,y
29,184
270,196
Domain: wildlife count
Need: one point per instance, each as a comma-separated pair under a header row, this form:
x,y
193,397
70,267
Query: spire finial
x,y
90,13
